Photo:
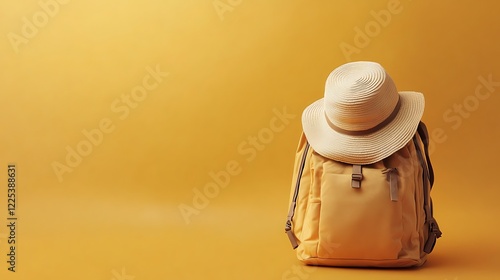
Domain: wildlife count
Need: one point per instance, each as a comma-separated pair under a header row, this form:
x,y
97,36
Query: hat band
x,y
379,126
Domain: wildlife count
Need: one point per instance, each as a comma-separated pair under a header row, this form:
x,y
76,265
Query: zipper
x,y
291,212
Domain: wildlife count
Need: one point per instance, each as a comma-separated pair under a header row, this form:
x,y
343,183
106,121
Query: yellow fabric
x,y
336,224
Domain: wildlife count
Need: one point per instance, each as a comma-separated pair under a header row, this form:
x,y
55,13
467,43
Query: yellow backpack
x,y
363,215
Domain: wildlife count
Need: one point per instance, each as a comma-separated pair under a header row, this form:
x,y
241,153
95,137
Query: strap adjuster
x,y
357,176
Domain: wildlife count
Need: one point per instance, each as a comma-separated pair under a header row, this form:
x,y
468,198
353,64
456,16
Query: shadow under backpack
x,y
376,215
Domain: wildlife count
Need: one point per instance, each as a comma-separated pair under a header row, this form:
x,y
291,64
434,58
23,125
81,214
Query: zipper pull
x,y
392,177
291,236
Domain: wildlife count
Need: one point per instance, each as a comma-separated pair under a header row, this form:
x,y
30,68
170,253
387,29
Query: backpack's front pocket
x,y
359,223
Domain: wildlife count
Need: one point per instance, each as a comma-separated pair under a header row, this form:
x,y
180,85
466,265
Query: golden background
x,y
155,97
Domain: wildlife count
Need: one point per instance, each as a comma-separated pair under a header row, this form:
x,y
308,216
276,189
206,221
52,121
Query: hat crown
x,y
359,96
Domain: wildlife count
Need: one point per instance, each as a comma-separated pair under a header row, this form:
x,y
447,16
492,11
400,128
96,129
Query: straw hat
x,y
363,118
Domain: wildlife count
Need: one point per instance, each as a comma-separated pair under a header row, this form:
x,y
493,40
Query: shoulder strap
x,y
424,135
434,231
291,212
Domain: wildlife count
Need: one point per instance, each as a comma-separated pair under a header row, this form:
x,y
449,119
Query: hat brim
x,y
369,148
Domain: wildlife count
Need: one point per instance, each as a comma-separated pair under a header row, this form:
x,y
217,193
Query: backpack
x,y
377,215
